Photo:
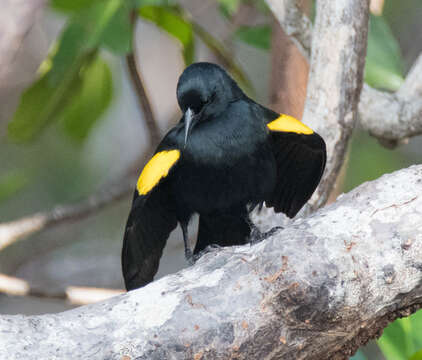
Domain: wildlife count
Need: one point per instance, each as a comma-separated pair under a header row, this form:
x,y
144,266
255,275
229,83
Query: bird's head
x,y
204,91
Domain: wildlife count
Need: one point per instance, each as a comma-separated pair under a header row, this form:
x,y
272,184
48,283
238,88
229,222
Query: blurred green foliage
x,y
384,64
95,93
11,183
75,85
402,339
169,19
229,7
70,75
257,36
365,152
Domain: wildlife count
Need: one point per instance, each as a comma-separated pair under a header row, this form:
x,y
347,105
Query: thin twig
x,y
76,295
138,84
11,232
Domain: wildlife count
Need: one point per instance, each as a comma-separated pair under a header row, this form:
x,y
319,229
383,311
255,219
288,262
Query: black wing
x,y
300,162
150,223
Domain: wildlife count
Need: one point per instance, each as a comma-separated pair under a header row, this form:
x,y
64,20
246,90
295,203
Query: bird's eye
x,y
199,104
204,102
196,101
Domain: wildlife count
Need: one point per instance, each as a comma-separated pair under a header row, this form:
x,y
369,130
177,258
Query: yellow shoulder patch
x,y
156,169
286,123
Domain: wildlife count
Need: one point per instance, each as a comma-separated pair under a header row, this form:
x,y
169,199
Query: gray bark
x,y
394,117
316,290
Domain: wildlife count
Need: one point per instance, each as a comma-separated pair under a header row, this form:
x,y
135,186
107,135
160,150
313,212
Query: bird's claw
x,y
257,236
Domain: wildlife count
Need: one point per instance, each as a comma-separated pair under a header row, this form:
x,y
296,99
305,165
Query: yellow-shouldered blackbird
x,y
225,156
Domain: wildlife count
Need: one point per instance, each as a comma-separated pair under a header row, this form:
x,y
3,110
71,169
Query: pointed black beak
x,y
188,123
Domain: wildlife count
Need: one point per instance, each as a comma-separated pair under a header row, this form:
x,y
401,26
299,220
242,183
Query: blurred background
x,y
72,122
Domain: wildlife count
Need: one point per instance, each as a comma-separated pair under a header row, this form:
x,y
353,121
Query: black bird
x,y
227,155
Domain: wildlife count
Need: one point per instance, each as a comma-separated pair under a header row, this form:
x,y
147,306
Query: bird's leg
x,y
256,235
188,252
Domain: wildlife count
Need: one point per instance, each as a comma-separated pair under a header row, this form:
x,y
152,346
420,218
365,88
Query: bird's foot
x,y
257,236
208,249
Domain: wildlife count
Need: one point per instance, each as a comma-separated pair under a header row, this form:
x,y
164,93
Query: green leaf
x,y
71,5
11,183
402,338
417,355
117,35
70,47
169,20
96,19
257,36
102,23
92,99
395,342
384,68
60,82
417,329
139,3
229,7
40,104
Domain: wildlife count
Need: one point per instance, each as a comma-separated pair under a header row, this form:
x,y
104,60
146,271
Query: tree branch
x,y
13,231
142,96
394,117
362,269
138,84
390,117
76,295
335,81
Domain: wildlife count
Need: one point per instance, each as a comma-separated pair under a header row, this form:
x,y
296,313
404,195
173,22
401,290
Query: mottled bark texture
x,y
316,290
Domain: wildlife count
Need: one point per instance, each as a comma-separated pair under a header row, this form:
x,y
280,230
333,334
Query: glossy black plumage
x,y
229,162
